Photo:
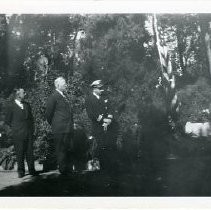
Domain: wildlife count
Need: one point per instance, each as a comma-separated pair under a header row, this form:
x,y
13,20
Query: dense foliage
x,y
120,50
197,96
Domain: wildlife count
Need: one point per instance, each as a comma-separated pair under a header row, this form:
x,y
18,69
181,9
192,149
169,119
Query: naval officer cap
x,y
97,84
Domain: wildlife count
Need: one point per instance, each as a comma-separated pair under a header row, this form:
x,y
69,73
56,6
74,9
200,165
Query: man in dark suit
x,y
19,117
104,127
59,116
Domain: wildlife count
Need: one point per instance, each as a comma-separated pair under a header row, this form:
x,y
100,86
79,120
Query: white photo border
x,y
99,6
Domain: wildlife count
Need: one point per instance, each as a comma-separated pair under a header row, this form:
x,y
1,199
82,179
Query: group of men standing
x,y
59,115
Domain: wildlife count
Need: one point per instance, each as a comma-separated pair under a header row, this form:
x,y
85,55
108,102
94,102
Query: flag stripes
x,y
168,78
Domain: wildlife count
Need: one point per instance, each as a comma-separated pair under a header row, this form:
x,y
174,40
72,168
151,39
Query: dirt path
x,y
155,177
10,177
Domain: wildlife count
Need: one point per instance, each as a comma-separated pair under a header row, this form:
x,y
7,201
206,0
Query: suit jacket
x,y
59,114
96,107
20,120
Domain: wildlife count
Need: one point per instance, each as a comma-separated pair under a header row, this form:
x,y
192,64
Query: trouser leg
x,y
112,152
30,156
109,160
103,158
62,146
107,150
19,149
99,135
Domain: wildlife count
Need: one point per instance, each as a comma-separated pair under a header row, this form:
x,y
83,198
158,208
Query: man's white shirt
x,y
19,103
61,93
97,96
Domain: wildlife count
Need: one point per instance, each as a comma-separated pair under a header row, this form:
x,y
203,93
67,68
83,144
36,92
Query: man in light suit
x,y
59,115
19,118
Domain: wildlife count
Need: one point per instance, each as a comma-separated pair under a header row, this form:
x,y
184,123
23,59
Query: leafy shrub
x,y
38,96
195,98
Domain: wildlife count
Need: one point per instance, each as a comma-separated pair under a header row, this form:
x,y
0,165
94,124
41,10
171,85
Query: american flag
x,y
168,81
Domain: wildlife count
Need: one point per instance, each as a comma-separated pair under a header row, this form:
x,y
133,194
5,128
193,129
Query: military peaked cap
x,y
97,84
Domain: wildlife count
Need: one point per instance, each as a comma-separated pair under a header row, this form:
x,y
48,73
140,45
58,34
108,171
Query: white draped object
x,y
198,129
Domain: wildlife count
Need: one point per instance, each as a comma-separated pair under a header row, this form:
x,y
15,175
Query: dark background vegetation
x,y
120,50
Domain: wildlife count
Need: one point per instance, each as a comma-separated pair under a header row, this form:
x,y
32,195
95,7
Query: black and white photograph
x,y
105,104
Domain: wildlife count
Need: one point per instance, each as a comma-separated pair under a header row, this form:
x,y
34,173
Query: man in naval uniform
x,y
104,127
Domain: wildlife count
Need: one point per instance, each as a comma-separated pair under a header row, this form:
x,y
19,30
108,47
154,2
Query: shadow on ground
x,y
151,177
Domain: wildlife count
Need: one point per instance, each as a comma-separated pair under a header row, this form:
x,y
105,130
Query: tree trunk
x,y
208,49
181,47
203,23
72,59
